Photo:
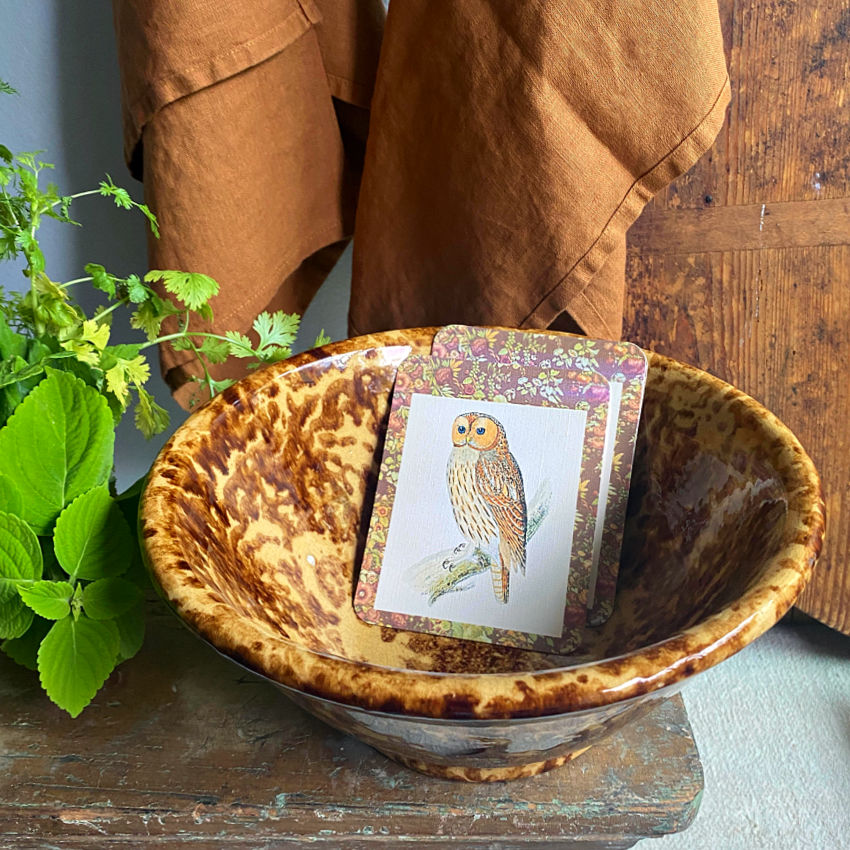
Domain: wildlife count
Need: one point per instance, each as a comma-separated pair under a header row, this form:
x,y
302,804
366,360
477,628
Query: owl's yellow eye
x,y
484,433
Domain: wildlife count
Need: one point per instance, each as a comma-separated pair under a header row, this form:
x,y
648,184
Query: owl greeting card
x,y
485,510
624,366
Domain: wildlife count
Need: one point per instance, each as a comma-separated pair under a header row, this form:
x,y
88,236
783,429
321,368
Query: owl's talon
x,y
459,548
447,564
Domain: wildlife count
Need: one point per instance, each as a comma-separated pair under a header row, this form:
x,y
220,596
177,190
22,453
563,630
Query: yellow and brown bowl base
x,y
459,773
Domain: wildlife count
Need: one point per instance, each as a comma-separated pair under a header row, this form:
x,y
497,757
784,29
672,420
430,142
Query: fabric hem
x,y
569,293
358,94
161,91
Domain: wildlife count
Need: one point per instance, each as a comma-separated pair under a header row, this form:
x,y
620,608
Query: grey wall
x,y
60,56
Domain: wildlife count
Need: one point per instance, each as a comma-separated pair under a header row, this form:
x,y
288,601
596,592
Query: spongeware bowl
x,y
254,517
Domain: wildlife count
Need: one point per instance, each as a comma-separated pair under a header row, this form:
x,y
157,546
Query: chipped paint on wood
x,y
225,761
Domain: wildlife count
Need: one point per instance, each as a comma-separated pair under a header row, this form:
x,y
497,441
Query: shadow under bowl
x,y
255,513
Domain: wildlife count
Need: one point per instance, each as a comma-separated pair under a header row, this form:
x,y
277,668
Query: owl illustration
x,y
487,495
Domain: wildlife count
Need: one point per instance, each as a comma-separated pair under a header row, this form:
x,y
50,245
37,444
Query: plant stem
x,y
72,282
184,333
115,306
78,195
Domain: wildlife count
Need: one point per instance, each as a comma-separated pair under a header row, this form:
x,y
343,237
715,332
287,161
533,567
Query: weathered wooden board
x,y
742,266
183,748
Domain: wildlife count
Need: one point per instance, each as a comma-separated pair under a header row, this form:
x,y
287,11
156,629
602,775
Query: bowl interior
x,y
263,498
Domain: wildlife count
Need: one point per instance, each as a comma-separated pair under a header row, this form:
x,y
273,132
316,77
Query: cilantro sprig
x,y
71,583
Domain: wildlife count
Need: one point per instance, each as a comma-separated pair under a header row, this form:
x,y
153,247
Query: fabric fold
x,y
248,125
511,147
494,152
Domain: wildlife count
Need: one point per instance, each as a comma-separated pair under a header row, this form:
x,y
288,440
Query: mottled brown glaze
x,y
255,513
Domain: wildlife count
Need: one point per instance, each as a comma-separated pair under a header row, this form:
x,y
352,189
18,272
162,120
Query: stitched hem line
x,y
577,279
163,90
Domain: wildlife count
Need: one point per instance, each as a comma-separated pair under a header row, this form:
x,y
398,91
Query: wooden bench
x,y
182,748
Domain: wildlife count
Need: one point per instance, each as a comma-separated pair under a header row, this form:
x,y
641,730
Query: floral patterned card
x,y
624,366
485,510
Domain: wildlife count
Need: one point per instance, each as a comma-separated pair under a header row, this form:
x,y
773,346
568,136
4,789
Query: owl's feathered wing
x,y
500,483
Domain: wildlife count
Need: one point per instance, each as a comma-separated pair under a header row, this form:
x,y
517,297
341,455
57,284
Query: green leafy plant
x,y
71,582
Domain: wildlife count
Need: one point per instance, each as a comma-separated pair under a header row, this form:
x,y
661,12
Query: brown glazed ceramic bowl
x,y
255,513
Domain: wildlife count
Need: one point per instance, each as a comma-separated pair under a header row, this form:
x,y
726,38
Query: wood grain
x,y
183,748
742,266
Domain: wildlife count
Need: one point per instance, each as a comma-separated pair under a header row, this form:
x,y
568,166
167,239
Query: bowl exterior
x,y
253,516
476,750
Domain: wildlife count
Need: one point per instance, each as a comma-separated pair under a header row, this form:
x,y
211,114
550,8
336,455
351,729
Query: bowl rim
x,y
482,696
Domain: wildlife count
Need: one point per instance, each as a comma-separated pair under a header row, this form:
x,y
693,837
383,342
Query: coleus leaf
x,y
75,658
131,632
10,497
20,566
49,599
92,539
57,445
24,649
108,598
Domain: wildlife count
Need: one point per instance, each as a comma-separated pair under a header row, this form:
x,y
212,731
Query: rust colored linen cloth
x,y
510,146
247,122
513,143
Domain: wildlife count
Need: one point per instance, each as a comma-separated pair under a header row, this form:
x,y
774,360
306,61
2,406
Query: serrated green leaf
x,y
116,383
119,195
154,224
101,279
322,339
49,599
24,650
215,350
150,315
114,353
275,353
150,418
91,376
10,497
223,384
131,631
6,88
32,251
277,329
192,288
137,292
92,539
138,370
74,660
20,566
57,445
240,345
12,344
16,370
182,343
109,598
